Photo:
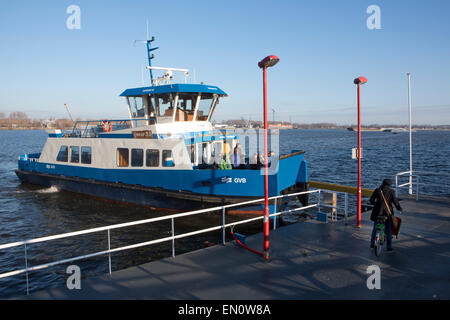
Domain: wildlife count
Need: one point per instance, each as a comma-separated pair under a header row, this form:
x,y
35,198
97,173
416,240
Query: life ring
x,y
106,125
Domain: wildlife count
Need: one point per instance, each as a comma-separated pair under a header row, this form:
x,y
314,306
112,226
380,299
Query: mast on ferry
x,y
150,56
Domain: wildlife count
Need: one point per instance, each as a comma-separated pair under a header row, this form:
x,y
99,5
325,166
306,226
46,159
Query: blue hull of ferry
x,y
155,187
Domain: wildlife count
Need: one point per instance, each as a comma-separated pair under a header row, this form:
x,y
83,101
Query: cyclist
x,y
379,209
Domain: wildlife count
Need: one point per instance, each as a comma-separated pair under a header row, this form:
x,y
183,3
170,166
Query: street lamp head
x,y
268,61
360,80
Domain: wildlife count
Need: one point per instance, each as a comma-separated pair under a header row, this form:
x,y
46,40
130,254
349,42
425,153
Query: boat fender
x,y
106,125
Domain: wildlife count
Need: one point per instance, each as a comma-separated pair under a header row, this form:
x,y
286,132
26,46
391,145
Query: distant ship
x,y
364,129
393,130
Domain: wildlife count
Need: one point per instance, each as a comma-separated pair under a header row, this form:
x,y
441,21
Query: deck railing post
x,y
396,185
318,201
26,267
109,251
346,207
335,206
173,239
274,212
417,189
223,225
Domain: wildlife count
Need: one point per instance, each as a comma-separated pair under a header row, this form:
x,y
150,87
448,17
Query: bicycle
x,y
380,235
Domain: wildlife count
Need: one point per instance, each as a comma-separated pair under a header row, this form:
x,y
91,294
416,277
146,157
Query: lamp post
x,y
265,63
359,81
410,134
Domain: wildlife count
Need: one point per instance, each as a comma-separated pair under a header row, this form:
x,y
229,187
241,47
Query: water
x,y
29,212
328,153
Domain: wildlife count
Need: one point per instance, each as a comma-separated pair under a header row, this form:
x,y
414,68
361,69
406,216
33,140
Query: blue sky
x,y
322,45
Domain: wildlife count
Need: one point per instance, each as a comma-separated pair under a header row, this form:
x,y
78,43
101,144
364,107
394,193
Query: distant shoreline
x,y
363,130
24,129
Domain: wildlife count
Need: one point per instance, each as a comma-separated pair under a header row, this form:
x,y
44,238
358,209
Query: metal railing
x,y
335,208
171,238
91,128
418,178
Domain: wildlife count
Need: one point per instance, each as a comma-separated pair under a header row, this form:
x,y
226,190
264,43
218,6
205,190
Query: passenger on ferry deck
x,y
254,163
261,160
271,156
218,160
225,164
236,157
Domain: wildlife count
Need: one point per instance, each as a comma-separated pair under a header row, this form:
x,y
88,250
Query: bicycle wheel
x,y
378,244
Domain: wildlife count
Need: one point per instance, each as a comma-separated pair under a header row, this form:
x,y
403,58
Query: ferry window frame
x,y
66,156
126,159
86,159
165,157
76,158
135,156
148,157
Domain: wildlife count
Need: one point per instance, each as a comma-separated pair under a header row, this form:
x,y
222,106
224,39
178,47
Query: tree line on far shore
x,y
20,120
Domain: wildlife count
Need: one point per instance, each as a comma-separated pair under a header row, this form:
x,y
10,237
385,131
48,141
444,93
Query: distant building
x,y
48,123
280,125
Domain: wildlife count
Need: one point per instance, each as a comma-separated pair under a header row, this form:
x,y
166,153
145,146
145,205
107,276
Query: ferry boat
x,y
166,155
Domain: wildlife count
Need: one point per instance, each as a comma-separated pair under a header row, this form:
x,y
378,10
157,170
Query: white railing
x,y
334,208
171,238
417,179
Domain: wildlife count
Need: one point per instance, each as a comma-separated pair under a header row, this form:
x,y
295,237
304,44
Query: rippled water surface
x,y
28,212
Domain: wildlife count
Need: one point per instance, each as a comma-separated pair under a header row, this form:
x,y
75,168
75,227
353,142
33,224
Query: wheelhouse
x,y
172,103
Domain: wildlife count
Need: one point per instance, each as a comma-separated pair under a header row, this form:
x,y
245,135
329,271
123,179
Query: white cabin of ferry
x,y
173,108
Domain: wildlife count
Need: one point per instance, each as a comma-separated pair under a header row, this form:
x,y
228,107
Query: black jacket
x,y
377,201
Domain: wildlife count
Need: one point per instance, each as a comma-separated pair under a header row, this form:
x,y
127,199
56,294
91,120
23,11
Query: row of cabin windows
x,y
86,154
137,158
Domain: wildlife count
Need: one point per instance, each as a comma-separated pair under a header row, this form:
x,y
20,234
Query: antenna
x,y
149,50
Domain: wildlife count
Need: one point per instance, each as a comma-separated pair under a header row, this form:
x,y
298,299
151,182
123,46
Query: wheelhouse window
x,y
86,155
164,104
167,159
152,158
63,154
137,157
203,109
122,157
74,154
137,107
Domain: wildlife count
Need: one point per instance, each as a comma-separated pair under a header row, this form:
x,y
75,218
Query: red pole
x,y
268,61
358,218
266,172
358,82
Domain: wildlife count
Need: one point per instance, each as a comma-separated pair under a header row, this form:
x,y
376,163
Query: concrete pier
x,y
310,260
